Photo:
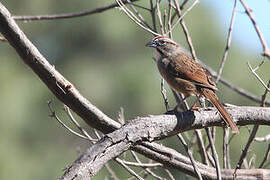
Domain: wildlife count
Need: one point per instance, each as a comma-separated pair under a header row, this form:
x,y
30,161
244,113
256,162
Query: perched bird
x,y
185,75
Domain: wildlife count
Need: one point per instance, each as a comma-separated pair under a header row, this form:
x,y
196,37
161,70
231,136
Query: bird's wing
x,y
186,68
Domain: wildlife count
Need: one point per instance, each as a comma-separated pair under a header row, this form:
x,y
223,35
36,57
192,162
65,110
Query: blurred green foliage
x,y
105,57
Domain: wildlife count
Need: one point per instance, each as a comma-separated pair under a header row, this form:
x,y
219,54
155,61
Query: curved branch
x,y
147,129
68,15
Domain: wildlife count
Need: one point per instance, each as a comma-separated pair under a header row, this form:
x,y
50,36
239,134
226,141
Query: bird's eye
x,y
161,42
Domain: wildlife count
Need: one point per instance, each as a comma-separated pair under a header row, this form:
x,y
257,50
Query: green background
x,y
105,57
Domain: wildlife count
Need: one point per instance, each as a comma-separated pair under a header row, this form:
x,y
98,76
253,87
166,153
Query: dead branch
x,y
142,130
266,51
68,15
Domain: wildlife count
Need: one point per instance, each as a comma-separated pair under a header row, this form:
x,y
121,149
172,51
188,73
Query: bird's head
x,y
164,46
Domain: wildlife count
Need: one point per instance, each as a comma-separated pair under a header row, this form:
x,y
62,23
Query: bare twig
x,y
237,89
214,152
159,18
183,4
201,146
133,173
169,174
183,15
153,15
53,115
170,19
266,51
262,139
138,14
68,15
112,173
226,149
251,163
266,156
182,140
244,153
143,165
134,18
228,44
185,30
163,92
146,169
264,95
121,116
257,76
83,131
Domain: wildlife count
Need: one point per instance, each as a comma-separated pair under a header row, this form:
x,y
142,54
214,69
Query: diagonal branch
x,y
228,44
69,15
266,50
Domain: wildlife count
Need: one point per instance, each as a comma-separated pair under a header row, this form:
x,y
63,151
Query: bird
x,y
185,75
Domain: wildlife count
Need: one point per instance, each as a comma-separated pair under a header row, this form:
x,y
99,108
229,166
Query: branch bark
x,y
141,131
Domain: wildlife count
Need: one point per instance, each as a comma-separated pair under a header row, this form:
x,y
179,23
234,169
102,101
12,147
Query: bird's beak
x,y
151,44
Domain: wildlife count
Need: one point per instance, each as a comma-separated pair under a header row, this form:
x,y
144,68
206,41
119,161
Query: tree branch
x,y
68,15
143,130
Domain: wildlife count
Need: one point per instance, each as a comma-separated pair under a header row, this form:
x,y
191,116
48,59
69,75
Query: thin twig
x,y
133,173
146,169
257,76
226,149
112,173
134,18
228,44
183,4
67,15
185,30
262,139
182,140
53,115
153,15
183,15
201,146
169,174
159,18
121,116
210,158
266,156
164,95
143,165
164,20
237,89
251,163
169,19
83,131
264,95
138,14
214,152
266,51
244,153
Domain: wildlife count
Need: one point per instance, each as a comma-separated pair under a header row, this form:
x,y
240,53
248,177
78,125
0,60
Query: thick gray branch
x,y
146,129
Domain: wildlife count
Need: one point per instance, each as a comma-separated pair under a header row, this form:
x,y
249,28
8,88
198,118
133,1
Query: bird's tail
x,y
209,94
